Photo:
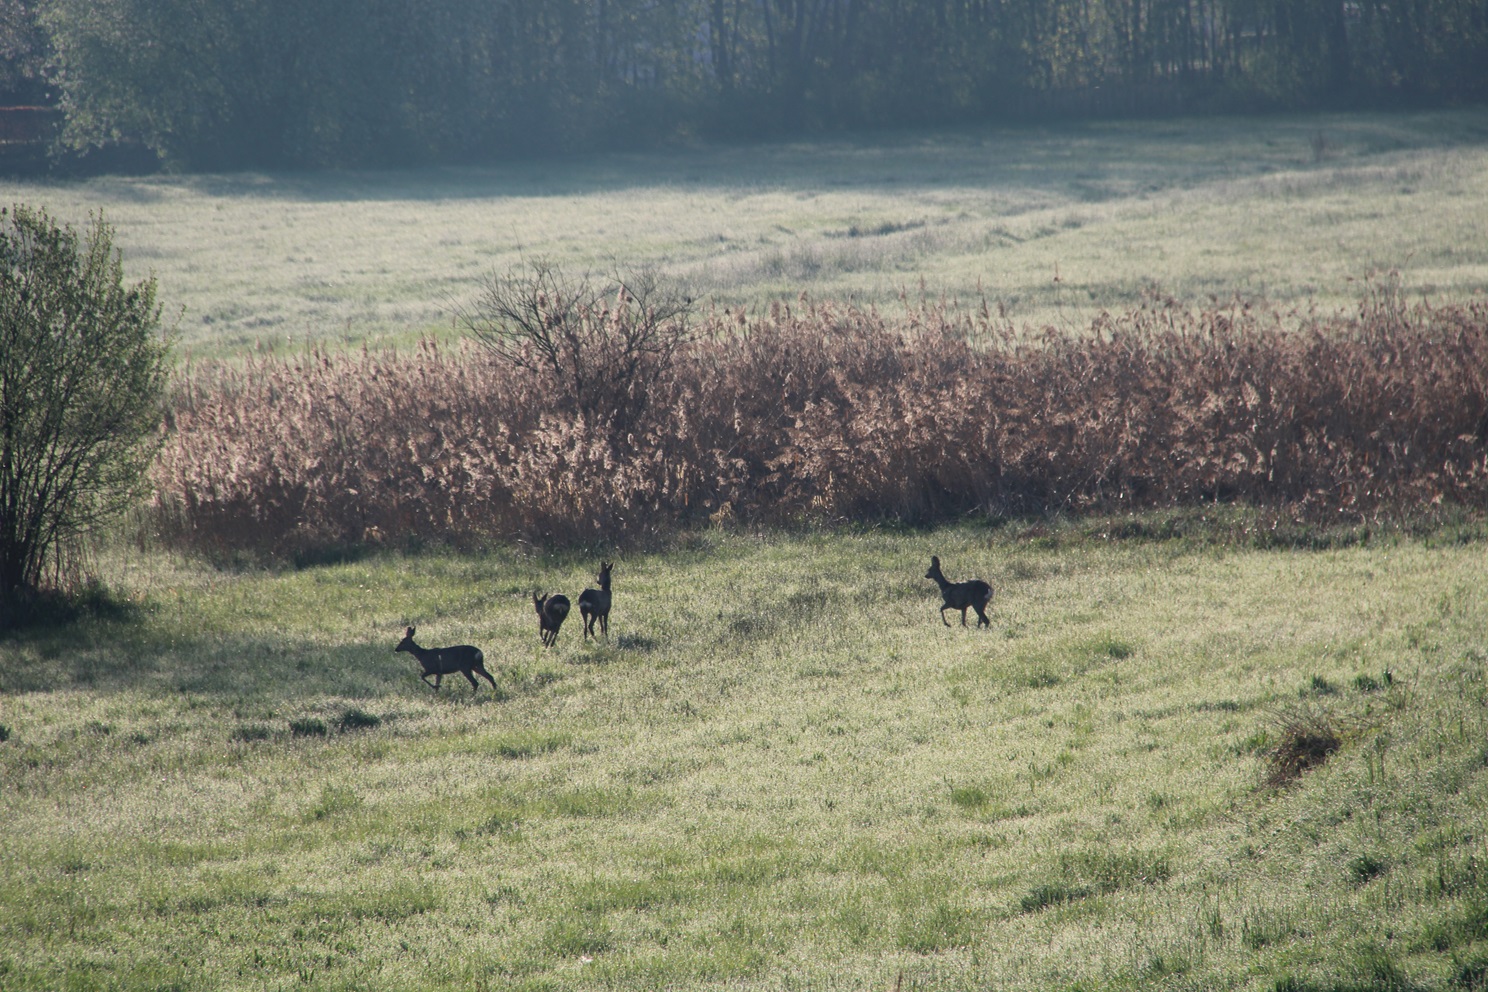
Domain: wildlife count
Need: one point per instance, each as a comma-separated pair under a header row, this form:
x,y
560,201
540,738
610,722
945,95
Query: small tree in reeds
x,y
83,370
601,348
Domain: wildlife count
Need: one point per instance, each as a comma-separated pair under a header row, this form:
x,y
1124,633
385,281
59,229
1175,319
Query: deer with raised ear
x,y
594,604
551,611
972,594
439,662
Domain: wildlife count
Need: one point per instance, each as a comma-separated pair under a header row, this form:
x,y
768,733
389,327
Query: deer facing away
x,y
551,611
594,604
439,662
972,594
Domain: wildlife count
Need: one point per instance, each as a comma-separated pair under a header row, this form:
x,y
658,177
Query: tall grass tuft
x,y
1306,738
821,411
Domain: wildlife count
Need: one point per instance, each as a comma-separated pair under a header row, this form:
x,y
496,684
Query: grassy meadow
x,y
1054,223
782,772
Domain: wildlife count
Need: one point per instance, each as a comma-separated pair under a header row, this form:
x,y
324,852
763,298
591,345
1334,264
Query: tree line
x,y
224,83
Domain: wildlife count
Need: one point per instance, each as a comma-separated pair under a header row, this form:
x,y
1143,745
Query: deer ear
x,y
408,632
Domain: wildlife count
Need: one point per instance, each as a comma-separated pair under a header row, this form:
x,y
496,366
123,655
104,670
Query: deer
x,y
439,662
594,604
971,594
551,611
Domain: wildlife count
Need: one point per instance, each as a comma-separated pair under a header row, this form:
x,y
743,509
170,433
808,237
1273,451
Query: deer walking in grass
x,y
972,594
439,662
594,604
551,611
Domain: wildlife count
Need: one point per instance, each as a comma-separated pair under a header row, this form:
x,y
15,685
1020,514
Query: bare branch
x,y
600,347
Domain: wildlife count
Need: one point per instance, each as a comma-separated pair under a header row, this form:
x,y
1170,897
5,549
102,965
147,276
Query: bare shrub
x,y
600,348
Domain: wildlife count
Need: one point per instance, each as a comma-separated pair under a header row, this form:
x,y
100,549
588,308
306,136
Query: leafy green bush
x,y
83,370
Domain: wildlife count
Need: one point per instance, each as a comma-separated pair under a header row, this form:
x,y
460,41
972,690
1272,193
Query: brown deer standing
x,y
971,594
551,611
594,604
439,662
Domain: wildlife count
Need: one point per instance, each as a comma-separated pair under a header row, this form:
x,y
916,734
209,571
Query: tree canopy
x,y
222,83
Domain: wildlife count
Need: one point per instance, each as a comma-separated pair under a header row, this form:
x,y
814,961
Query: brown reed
x,y
831,412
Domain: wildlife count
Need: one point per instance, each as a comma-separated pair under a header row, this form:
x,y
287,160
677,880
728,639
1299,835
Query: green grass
x,y
1198,207
782,771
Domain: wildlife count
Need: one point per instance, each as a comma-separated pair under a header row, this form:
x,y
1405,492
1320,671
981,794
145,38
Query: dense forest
x,y
223,83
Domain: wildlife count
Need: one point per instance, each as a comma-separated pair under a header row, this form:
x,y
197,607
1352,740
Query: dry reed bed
x,y
822,411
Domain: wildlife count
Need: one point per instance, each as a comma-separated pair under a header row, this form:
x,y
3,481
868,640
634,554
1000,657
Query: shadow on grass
x,y
43,611
121,653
